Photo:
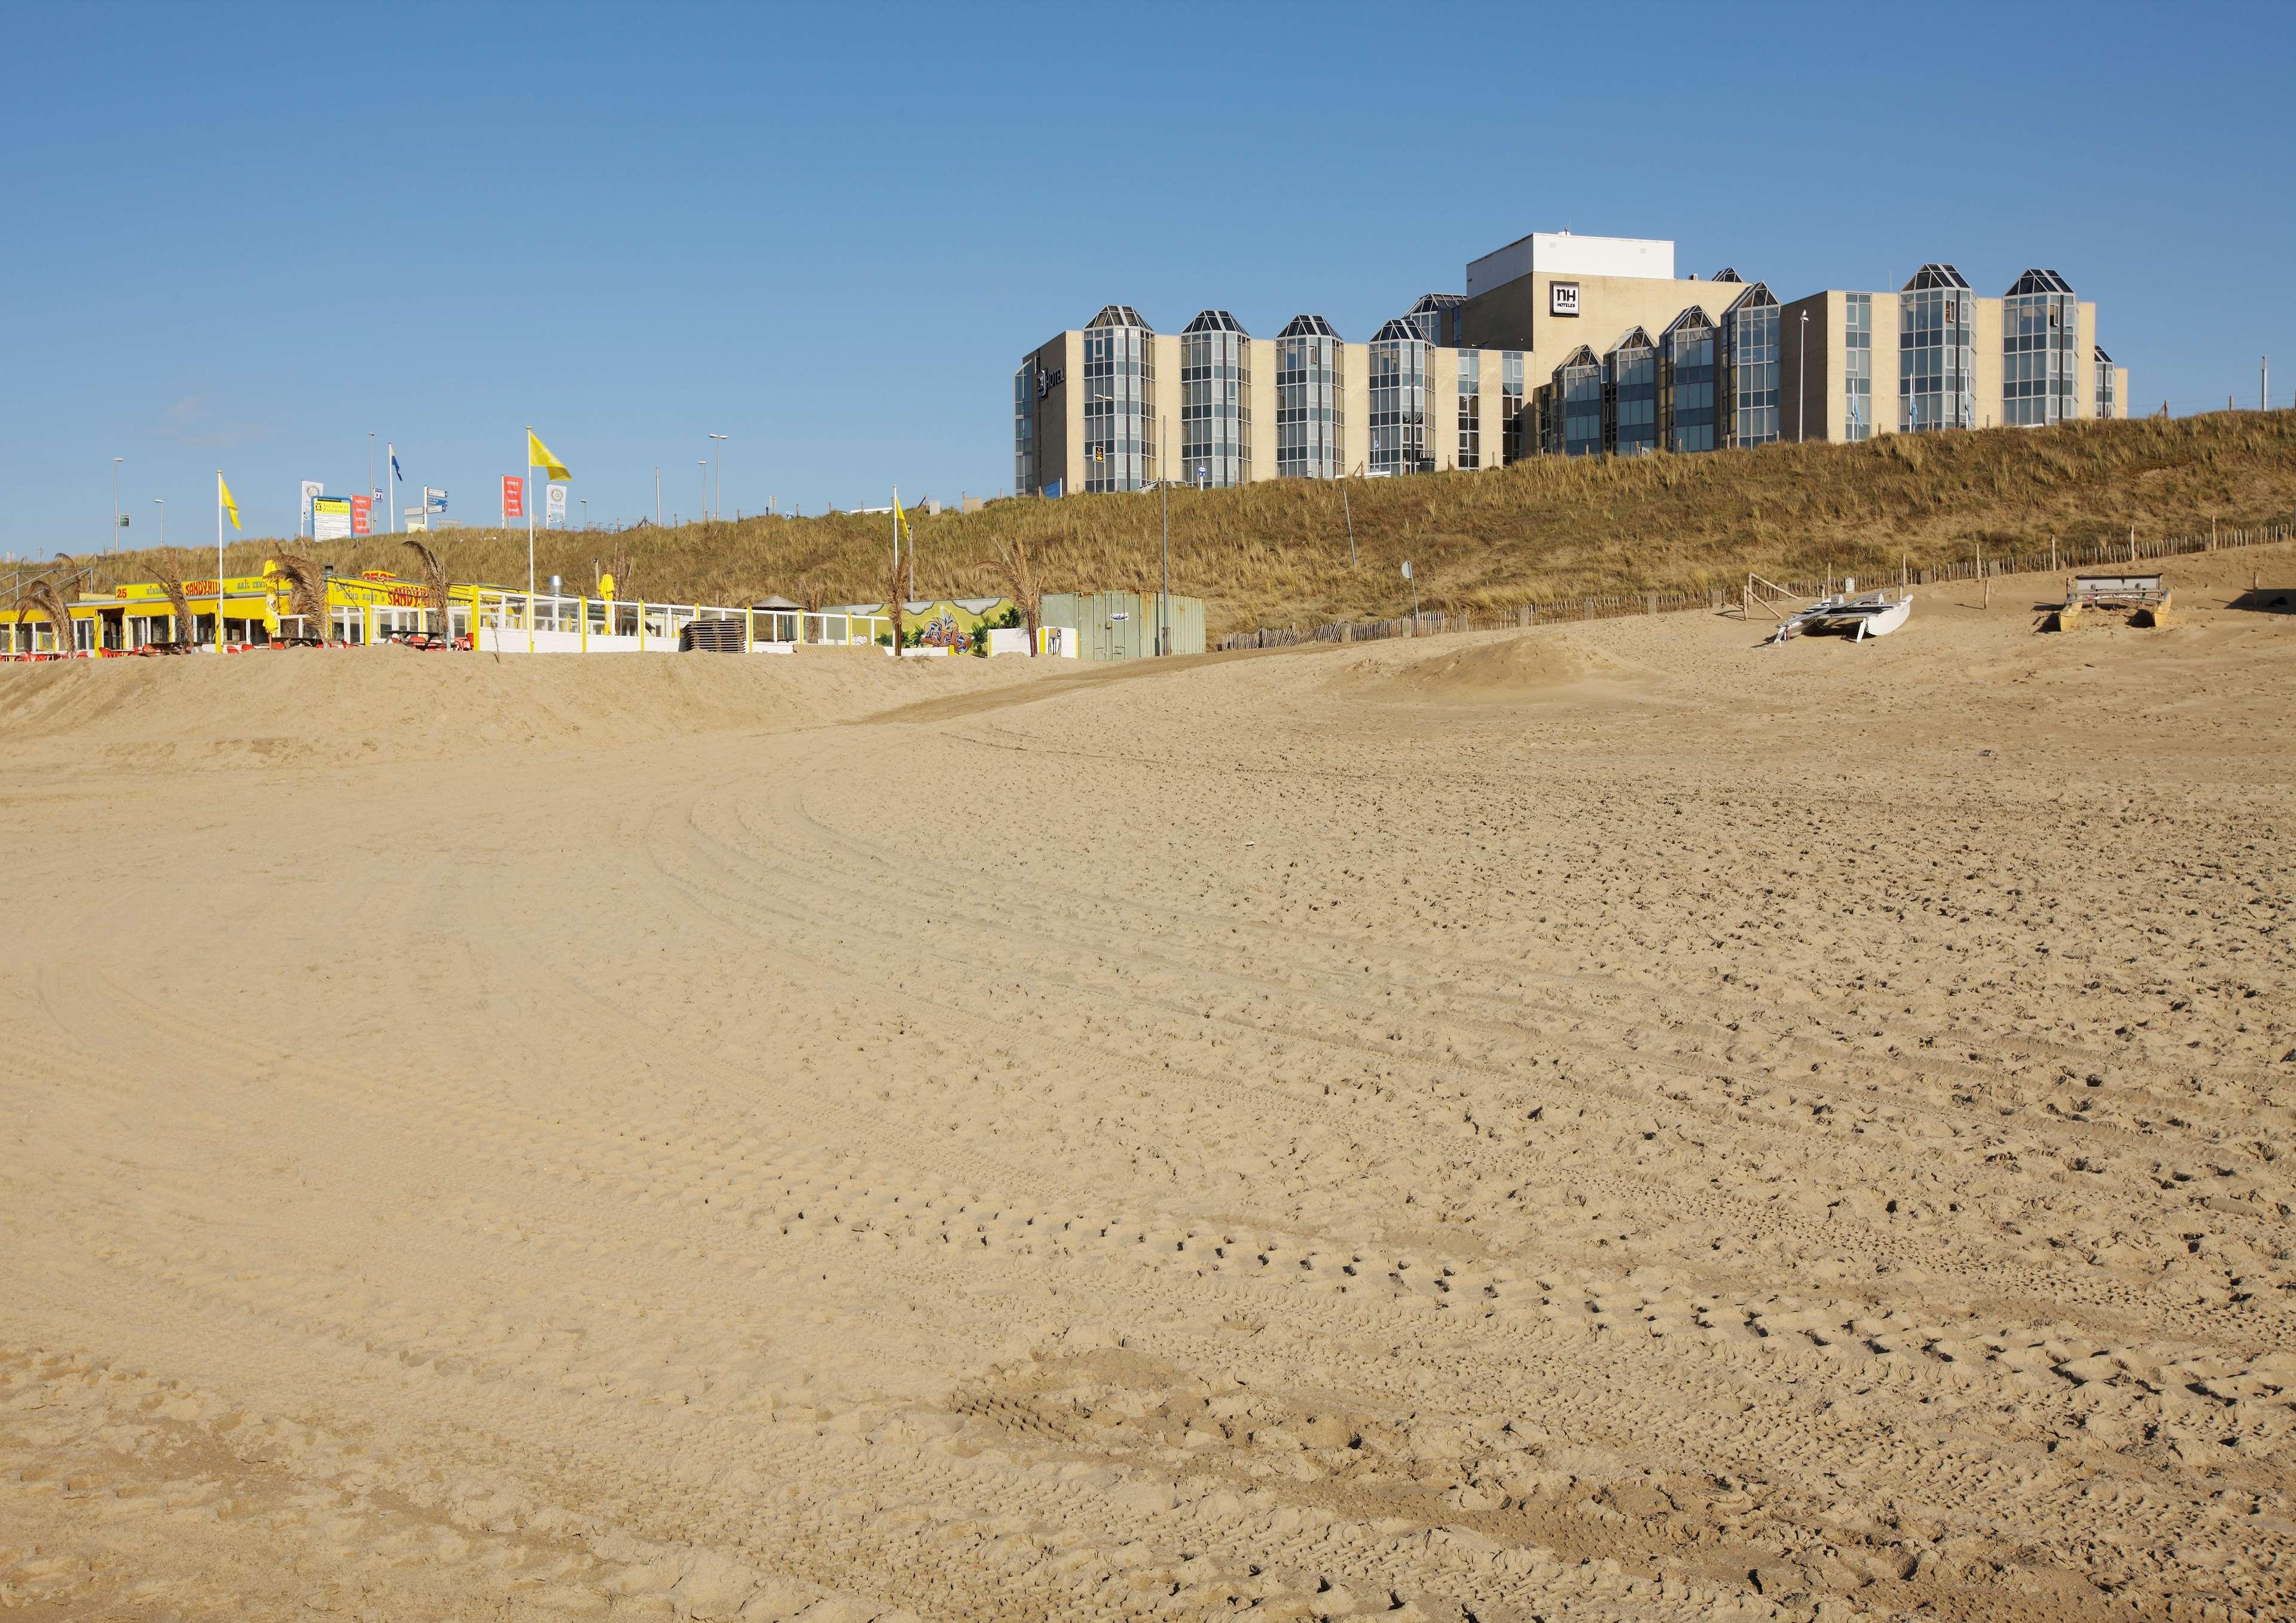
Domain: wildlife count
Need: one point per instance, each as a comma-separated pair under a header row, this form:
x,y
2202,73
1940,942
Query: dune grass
x,y
1542,530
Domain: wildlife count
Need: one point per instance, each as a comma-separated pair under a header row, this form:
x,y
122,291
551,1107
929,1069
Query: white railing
x,y
513,622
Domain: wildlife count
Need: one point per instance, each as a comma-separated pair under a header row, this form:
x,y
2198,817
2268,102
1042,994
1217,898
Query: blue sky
x,y
249,236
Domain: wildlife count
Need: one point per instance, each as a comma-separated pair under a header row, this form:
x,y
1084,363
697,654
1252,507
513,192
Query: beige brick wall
x,y
1887,415
1355,406
1986,393
2084,376
1261,394
1443,408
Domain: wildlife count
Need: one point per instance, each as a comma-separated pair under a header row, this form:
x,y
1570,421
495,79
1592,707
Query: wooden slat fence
x,y
1718,599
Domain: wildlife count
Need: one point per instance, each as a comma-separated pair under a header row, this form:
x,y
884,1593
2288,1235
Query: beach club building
x,y
1559,346
376,606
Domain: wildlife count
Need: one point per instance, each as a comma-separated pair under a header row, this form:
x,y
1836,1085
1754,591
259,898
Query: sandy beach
x,y
1599,1122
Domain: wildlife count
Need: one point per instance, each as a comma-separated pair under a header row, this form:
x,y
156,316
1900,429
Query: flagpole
x,y
390,482
895,607
525,499
219,563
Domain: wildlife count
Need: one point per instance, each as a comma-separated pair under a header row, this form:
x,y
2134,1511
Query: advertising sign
x,y
361,515
311,488
1563,299
513,497
331,518
434,499
554,514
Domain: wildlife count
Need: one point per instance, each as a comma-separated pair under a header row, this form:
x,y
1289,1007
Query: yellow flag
x,y
223,493
538,455
901,526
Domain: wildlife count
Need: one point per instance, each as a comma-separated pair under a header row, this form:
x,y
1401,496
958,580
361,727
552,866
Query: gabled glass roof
x,y
1692,317
1430,303
1633,337
1401,327
1728,273
1214,321
1306,326
2100,355
2039,281
1935,276
1757,296
1118,315
1581,357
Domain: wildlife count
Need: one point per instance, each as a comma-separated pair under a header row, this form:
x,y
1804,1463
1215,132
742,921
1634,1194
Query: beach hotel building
x,y
1560,345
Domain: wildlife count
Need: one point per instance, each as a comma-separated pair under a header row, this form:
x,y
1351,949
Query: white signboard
x,y
416,521
1563,299
434,499
331,518
554,515
311,488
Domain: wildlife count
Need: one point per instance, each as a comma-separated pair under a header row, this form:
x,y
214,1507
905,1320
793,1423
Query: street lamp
x,y
370,479
114,545
585,511
161,502
1801,388
705,489
718,505
657,495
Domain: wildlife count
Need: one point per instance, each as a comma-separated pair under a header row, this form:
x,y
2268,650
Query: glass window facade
x,y
1215,401
2040,327
1309,431
1470,408
1439,317
1687,371
1024,429
1750,368
1936,357
1120,401
1857,365
1400,364
1574,413
1512,415
2108,396
1630,396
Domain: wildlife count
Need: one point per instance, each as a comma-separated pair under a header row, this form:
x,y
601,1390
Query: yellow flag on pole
x,y
537,455
231,506
901,525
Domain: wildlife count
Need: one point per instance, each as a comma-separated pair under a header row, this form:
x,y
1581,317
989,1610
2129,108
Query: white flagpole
x,y
218,561
895,608
525,498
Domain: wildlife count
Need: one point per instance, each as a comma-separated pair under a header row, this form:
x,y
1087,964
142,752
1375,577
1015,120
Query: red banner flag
x,y
513,497
361,515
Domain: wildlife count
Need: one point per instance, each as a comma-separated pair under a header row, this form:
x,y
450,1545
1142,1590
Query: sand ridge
x,y
1389,1129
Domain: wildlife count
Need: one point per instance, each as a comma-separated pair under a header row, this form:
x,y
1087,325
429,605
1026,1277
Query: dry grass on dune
x,y
1543,530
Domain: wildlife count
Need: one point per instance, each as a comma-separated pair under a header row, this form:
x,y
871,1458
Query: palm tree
x,y
179,603
307,592
1017,570
434,578
41,596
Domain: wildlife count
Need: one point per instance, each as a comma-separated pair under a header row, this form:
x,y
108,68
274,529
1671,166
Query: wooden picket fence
x,y
1716,599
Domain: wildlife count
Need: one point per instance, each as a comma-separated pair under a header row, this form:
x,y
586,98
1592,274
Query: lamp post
x,y
370,479
161,502
1801,388
705,489
718,505
114,544
585,511
657,495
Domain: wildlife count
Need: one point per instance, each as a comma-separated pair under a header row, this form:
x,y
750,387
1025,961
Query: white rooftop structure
x,y
1562,254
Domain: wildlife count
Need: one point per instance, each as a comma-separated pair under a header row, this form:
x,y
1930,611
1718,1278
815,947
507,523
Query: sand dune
x,y
1603,1122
